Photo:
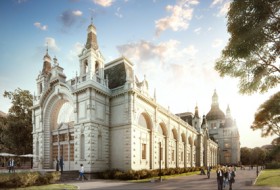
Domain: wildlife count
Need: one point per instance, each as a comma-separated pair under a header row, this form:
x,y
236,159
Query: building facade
x,y
223,129
105,118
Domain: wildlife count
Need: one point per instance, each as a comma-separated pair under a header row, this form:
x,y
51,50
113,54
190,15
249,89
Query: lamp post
x,y
160,179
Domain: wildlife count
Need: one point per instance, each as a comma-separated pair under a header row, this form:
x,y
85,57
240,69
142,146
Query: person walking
x,y
82,173
208,171
11,165
61,164
225,171
57,164
231,176
220,178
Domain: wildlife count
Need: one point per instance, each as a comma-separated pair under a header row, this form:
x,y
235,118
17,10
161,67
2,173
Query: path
x,y
196,182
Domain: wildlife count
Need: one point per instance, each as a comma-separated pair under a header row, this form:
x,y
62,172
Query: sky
x,y
174,44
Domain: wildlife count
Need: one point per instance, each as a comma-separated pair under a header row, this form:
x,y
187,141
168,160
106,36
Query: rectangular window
x,y
143,151
173,155
182,156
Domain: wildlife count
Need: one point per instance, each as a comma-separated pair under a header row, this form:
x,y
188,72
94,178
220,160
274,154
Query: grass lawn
x,y
269,178
52,186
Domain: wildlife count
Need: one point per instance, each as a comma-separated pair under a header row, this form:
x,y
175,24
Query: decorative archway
x,y
58,126
146,143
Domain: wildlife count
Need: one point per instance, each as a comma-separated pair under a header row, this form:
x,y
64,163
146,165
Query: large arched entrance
x,y
62,134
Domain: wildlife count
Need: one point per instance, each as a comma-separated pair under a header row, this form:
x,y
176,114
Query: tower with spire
x,y
91,60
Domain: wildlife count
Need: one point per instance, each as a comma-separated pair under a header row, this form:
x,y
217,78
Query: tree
x,y
245,156
258,156
17,134
267,117
253,51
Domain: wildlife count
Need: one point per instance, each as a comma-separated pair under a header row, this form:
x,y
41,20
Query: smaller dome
x,y
215,113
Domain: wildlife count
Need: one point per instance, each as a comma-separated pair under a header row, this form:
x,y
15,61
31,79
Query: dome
x,y
215,113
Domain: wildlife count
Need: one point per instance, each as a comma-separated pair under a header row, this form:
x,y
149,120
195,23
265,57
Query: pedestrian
x,y
220,178
82,173
11,165
61,164
231,176
57,164
225,171
208,171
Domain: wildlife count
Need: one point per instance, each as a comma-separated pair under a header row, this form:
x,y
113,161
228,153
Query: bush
x,y
273,165
16,180
143,174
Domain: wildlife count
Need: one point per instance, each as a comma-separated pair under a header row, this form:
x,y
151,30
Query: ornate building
x,y
105,118
225,132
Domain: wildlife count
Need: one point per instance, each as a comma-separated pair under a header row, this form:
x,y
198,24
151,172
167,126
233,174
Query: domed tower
x,y
215,112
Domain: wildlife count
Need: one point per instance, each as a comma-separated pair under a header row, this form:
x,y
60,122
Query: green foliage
x,y
272,165
274,154
253,48
16,180
143,174
267,117
16,128
245,155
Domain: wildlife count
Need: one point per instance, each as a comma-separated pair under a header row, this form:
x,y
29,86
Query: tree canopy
x,y
267,117
16,128
253,51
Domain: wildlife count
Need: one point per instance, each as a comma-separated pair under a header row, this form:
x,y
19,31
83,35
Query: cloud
x,y
224,9
75,51
217,42
21,1
197,30
181,14
70,17
77,13
166,59
118,14
51,44
215,2
40,26
104,3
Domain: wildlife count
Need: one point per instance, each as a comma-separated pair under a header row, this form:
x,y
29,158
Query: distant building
x,y
104,118
224,131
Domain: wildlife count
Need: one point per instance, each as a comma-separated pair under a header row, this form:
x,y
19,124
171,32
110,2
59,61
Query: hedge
x,y
16,180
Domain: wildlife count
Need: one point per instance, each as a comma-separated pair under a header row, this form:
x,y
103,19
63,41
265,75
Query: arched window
x,y
85,69
96,68
82,147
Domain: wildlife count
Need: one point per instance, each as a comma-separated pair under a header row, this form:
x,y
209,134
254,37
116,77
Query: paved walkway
x,y
243,181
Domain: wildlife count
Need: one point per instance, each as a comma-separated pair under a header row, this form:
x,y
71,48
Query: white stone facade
x,y
105,119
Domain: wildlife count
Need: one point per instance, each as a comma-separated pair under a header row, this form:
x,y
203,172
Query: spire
x,y
228,113
47,63
91,37
215,99
196,112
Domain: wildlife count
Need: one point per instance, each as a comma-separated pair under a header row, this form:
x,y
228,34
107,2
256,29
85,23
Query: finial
x,y
47,50
91,20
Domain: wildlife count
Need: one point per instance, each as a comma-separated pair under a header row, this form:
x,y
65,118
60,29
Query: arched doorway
x,y
62,134
146,140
